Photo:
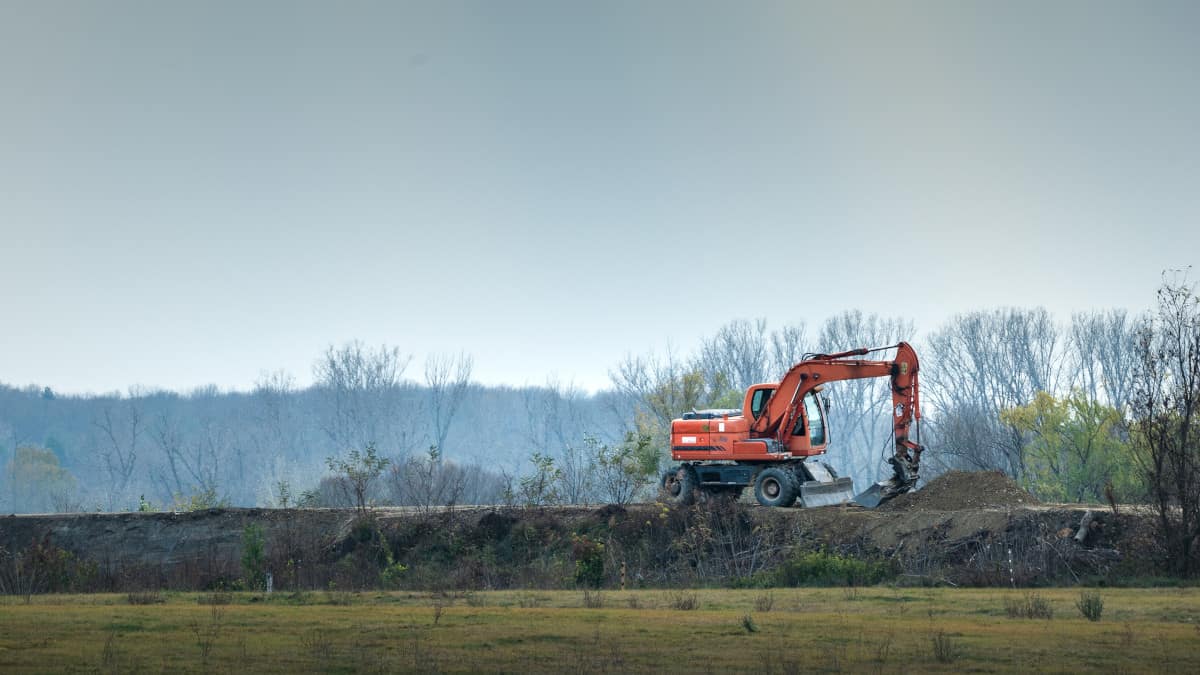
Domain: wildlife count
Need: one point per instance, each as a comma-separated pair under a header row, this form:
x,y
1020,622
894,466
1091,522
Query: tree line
x,y
1098,406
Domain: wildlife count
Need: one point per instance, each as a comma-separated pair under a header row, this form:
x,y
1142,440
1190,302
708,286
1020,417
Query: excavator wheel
x,y
776,487
679,485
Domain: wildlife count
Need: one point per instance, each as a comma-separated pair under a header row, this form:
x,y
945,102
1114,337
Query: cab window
x,y
758,402
816,419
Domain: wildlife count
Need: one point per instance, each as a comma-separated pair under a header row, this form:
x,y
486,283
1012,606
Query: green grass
x,y
872,629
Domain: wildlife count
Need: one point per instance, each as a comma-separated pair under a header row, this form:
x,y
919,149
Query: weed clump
x,y
764,602
944,648
683,601
593,599
1031,606
748,624
144,598
1090,605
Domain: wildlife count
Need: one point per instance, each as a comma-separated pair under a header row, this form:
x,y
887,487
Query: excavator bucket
x,y
872,496
905,479
826,493
883,491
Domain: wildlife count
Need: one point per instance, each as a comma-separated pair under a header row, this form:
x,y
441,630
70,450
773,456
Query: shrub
x,y
1090,605
822,568
748,623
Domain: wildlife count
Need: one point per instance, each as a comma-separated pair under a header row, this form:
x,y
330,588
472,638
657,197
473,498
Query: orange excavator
x,y
773,441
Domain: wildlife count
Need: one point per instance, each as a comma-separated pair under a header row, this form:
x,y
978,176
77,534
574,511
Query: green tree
x,y
539,487
622,470
357,472
38,481
1075,448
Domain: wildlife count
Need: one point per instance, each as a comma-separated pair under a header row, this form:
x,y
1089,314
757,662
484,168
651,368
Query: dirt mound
x,y
956,490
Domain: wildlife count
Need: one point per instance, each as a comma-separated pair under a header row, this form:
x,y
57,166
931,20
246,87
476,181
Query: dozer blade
x,y
826,493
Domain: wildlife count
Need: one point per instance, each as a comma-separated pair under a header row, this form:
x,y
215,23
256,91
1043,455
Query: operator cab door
x,y
809,435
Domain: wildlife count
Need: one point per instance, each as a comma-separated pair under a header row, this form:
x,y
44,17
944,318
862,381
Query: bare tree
x,y
120,428
1167,418
577,473
274,428
859,409
8,431
736,356
664,387
427,482
788,345
168,437
554,416
985,362
1105,349
447,378
362,388
193,461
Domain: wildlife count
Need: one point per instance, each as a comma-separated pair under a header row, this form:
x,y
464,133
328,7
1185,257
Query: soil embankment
x,y
962,528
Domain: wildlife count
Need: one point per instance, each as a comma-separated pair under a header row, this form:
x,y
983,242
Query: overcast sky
x,y
196,192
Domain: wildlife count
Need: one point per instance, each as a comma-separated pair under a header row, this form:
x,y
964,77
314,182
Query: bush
x,y
821,568
589,561
254,559
1090,605
44,567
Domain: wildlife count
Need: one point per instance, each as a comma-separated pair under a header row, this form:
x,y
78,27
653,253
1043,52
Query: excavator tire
x,y
679,485
776,487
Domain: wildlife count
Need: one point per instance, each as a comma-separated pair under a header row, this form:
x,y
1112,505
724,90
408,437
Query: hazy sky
x,y
196,192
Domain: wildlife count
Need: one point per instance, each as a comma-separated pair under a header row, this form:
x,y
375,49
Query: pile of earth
x,y
956,490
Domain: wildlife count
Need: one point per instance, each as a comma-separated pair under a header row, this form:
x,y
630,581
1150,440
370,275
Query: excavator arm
x,y
784,409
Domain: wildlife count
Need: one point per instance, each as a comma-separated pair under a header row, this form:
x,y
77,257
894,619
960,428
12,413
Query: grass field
x,y
780,631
